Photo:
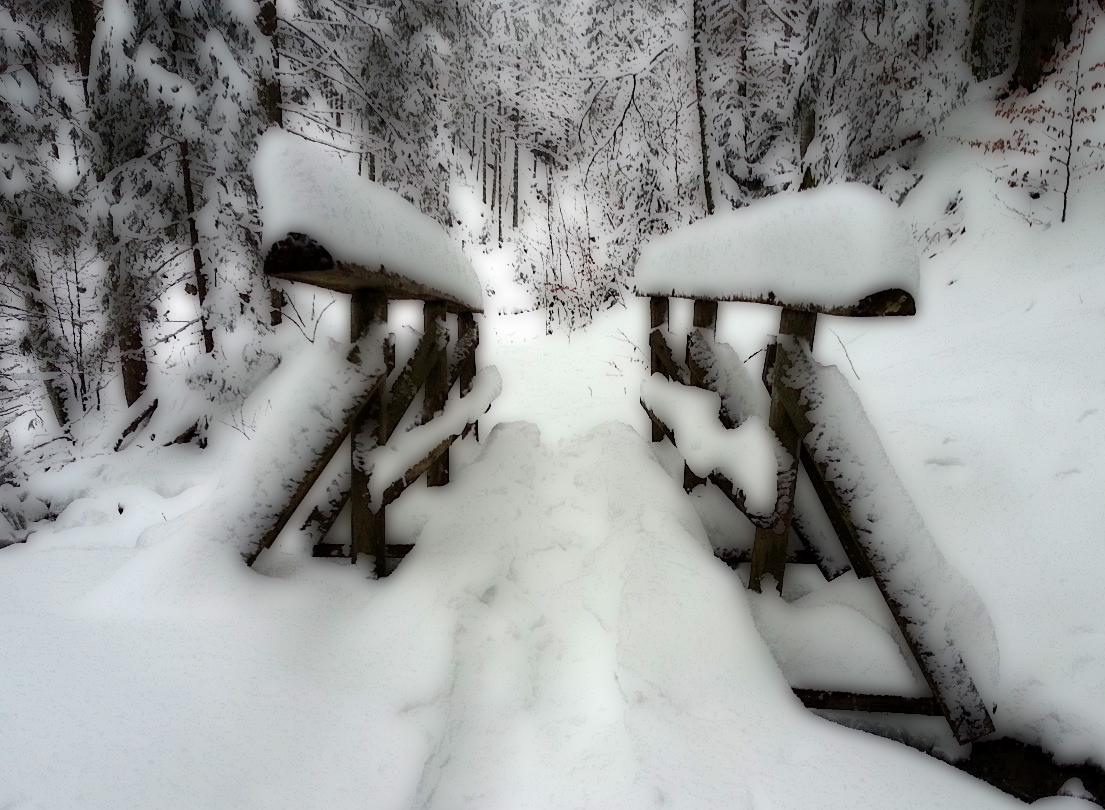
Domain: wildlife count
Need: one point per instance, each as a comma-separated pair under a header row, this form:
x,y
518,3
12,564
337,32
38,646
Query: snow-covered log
x,y
932,603
840,249
325,225
749,456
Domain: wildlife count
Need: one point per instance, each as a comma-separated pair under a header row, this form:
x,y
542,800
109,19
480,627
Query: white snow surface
x,y
831,246
303,187
561,635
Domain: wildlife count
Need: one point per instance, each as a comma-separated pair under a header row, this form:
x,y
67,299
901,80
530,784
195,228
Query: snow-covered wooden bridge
x,y
864,267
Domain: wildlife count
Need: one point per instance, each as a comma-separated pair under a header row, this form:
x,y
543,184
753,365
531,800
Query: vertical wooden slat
x,y
367,307
705,315
769,552
658,315
468,330
437,384
705,318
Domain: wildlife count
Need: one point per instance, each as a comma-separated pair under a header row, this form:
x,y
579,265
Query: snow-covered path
x,y
602,658
560,637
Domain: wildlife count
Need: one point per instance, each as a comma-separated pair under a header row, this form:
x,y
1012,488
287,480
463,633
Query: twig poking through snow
x,y
841,342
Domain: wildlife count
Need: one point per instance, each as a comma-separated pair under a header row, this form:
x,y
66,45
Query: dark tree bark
x,y
1044,25
40,343
271,97
271,100
699,23
193,233
994,36
84,28
131,346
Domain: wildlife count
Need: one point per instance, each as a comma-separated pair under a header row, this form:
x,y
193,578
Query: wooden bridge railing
x,y
371,422
789,363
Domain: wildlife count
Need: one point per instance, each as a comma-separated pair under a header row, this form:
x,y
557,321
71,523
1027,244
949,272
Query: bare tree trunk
x,y
483,159
994,36
84,28
41,343
131,346
514,217
271,96
699,23
1044,24
271,100
193,233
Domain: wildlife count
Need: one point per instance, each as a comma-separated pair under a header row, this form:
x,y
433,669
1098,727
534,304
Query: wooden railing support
x,y
437,390
769,553
658,318
367,307
467,335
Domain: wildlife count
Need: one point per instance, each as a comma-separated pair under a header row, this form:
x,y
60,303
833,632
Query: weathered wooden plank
x,y
718,373
857,702
834,509
396,488
663,359
437,386
943,667
692,479
395,551
304,485
658,317
414,374
138,424
734,557
808,531
705,315
367,307
769,550
300,258
324,515
892,302
737,498
838,517
410,379
462,364
660,429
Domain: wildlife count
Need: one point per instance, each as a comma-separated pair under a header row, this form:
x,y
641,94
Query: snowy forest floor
x,y
561,635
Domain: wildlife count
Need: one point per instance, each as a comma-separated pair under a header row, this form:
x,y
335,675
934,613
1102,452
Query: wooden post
x,y
468,330
769,553
367,307
658,312
705,317
437,384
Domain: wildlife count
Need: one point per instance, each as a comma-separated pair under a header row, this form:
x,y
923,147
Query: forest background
x,y
129,229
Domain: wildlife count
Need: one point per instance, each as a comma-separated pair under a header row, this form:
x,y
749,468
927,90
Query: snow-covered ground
x,y
562,636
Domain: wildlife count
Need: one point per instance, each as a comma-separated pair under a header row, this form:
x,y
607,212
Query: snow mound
x,y
750,456
304,188
944,609
830,246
